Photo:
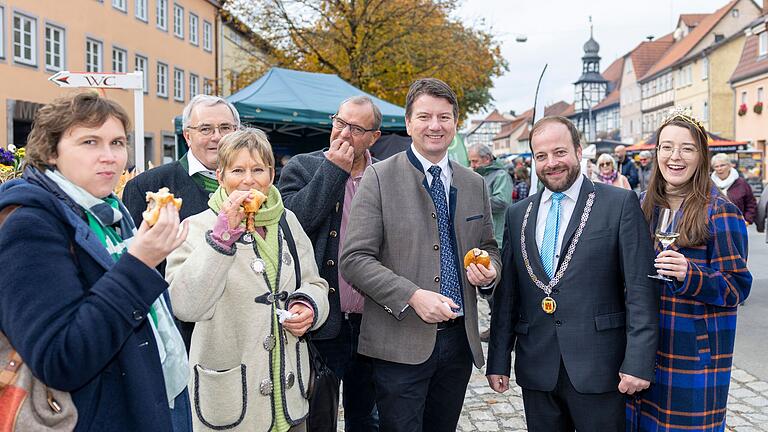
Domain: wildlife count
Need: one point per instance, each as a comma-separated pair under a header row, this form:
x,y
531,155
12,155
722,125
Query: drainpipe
x,y
217,50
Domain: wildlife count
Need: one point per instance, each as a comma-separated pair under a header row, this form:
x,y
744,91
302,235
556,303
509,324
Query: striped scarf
x,y
113,226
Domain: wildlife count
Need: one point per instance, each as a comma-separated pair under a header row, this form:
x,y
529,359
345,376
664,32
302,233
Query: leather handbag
x,y
323,391
26,404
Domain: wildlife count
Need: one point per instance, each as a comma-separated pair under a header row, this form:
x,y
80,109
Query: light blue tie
x,y
551,230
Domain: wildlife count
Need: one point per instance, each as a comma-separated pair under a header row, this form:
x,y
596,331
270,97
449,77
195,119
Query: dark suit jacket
x,y
607,308
392,249
313,188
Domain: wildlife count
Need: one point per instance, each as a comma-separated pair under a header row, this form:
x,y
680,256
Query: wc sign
x,y
128,81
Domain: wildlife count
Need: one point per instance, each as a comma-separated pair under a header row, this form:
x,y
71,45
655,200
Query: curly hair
x,y
56,118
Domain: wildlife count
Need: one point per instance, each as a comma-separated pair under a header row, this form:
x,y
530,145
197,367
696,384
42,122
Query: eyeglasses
x,y
206,130
686,151
605,164
354,129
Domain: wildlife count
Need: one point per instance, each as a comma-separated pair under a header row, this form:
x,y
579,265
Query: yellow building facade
x,y
174,41
702,84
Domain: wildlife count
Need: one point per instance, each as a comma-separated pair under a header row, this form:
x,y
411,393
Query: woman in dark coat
x,y
738,191
81,301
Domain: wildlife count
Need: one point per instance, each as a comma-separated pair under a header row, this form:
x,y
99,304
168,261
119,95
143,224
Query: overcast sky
x,y
556,32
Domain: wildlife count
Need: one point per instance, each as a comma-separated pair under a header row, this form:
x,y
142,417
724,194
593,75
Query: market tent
x,y
294,108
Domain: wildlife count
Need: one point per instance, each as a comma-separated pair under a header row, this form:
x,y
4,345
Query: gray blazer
x,y
391,250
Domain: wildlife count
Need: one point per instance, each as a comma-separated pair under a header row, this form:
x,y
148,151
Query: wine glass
x,y
666,234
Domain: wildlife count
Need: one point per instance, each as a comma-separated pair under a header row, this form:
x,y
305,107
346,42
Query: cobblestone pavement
x,y
486,410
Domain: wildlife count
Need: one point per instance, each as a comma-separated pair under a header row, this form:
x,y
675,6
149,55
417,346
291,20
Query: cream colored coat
x,y
229,357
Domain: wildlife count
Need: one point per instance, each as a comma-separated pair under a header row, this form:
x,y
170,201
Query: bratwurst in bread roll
x,y
156,201
252,207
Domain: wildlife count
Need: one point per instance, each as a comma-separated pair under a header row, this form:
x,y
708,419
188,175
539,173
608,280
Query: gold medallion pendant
x,y
549,305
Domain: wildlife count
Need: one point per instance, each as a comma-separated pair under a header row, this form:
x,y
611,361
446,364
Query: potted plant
x,y
742,109
758,108
11,162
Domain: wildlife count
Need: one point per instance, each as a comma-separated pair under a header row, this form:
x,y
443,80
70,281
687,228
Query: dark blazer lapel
x,y
586,188
534,256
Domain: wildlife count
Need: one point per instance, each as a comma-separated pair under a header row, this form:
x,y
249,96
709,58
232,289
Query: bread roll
x,y
477,256
156,201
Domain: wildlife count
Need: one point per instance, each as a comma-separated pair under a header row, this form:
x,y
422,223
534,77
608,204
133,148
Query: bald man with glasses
x,y
318,187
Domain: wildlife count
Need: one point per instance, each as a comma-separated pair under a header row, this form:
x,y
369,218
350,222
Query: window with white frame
x,y
705,112
120,4
24,39
207,86
194,85
744,97
161,14
762,44
162,79
207,30
178,85
54,47
141,9
2,32
94,55
193,25
759,94
119,60
705,68
140,64
178,21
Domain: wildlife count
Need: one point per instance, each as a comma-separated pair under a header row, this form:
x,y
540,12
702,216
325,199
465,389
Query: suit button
x,y
436,247
330,263
332,289
558,323
333,234
137,315
555,291
434,216
437,278
388,310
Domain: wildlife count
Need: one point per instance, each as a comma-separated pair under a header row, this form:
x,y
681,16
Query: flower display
x,y
742,109
11,162
758,108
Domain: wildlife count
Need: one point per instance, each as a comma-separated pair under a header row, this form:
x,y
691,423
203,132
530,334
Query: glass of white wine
x,y
666,234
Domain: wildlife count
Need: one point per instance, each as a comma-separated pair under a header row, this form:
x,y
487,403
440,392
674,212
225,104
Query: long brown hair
x,y
694,225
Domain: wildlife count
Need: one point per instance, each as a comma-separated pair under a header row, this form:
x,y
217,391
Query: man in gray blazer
x,y
414,217
574,299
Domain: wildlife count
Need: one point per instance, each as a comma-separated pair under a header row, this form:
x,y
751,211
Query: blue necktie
x,y
551,230
449,278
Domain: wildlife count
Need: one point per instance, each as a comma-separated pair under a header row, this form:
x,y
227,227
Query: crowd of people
x,y
212,316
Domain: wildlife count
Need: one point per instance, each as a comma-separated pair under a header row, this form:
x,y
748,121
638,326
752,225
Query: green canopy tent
x,y
294,108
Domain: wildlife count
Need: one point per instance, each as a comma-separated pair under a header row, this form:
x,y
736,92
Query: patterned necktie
x,y
449,278
551,230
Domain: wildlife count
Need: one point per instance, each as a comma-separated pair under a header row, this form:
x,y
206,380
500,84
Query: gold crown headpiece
x,y
684,114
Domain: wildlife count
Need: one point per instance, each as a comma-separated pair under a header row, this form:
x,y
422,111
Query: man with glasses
x,y
318,187
193,177
645,170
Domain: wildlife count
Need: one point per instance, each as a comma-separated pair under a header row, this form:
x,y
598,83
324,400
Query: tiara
x,y
684,114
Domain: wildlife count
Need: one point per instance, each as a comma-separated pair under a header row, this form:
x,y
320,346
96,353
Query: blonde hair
x,y
251,139
606,157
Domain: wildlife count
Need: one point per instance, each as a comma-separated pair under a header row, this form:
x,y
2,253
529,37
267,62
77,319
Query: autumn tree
x,y
380,46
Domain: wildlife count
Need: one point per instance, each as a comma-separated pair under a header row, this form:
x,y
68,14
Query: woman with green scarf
x,y
250,369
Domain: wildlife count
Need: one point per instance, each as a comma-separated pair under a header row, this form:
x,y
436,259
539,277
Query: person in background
x,y
233,278
645,169
522,184
81,300
608,174
497,180
206,119
738,191
761,219
709,278
626,166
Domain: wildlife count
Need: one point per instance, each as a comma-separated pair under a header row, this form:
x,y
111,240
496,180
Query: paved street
x,y
485,410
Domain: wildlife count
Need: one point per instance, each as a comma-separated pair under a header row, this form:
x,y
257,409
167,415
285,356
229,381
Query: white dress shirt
x,y
195,166
567,205
446,173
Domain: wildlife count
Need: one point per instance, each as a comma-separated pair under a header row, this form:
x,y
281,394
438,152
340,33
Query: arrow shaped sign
x,y
131,81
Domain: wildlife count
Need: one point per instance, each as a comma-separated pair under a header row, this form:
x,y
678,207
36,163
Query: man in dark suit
x,y
574,299
414,217
206,119
318,187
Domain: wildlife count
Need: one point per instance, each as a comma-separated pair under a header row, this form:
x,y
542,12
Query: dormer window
x,y
735,13
762,44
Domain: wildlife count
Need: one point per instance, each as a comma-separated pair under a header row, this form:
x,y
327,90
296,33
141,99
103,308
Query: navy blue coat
x,y
79,319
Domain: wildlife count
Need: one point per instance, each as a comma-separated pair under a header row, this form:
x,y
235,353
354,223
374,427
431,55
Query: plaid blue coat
x,y
698,328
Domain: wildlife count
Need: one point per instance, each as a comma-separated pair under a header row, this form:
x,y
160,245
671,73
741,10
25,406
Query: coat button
x,y
290,379
388,310
225,236
333,233
265,388
330,263
437,278
436,247
555,291
558,323
137,315
434,215
331,289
